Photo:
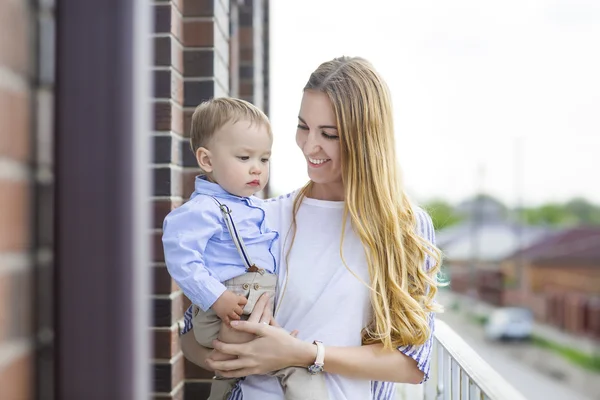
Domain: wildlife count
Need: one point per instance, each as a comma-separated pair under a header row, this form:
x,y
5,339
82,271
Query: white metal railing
x,y
458,372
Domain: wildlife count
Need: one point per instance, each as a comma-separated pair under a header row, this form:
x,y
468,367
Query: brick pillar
x,y
253,39
252,51
196,50
191,64
167,308
16,201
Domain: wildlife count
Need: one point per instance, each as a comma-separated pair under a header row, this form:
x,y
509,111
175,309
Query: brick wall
x,y
26,181
16,204
191,64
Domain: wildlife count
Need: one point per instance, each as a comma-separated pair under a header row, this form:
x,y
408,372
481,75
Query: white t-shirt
x,y
322,299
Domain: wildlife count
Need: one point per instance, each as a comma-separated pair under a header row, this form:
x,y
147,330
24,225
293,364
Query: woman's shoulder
x,y
424,224
284,200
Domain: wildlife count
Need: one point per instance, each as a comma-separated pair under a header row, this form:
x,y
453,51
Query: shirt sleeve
x,y
187,320
422,353
186,232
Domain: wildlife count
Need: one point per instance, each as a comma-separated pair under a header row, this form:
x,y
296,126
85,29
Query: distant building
x,y
558,278
473,252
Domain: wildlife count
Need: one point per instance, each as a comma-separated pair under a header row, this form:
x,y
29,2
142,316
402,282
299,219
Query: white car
x,y
511,323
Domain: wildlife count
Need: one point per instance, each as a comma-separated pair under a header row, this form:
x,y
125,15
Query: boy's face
x,y
237,157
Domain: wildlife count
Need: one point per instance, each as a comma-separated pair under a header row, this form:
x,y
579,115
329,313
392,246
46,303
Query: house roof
x,y
488,241
572,245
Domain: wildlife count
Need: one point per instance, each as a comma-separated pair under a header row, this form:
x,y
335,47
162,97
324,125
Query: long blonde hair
x,y
402,290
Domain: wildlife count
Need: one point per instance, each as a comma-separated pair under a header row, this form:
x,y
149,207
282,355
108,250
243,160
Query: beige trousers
x,y
297,383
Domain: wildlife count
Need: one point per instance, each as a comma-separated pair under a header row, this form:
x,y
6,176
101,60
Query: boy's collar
x,y
203,186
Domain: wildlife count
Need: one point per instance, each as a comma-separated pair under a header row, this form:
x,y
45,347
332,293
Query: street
x,y
504,358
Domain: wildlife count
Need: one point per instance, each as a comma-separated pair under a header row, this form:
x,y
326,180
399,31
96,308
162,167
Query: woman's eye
x,y
244,158
303,127
265,160
330,137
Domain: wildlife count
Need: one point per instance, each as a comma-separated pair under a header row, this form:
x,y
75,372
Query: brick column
x,y
16,202
252,42
253,38
26,192
167,307
191,64
194,57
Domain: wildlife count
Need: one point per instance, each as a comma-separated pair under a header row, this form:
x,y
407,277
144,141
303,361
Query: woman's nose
x,y
312,143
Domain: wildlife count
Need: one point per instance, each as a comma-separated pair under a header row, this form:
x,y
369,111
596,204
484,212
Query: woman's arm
x,y
274,349
372,362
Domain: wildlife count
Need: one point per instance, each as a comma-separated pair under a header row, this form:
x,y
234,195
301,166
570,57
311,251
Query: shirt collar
x,y
203,186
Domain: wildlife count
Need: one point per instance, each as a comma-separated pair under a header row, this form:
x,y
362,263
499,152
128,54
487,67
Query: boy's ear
x,y
203,157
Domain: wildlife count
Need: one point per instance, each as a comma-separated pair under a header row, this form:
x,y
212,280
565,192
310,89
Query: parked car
x,y
509,323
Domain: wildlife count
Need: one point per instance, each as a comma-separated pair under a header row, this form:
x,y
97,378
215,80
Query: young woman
x,y
358,263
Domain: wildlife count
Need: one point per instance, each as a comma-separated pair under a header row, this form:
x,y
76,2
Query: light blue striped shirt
x,y
199,251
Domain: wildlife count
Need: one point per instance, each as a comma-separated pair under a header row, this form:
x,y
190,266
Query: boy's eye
x,y
244,158
265,160
327,136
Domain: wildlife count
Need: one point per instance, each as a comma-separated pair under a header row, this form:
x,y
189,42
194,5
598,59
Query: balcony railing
x,y
459,373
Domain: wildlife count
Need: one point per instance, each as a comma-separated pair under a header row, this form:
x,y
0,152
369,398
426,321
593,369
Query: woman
x,y
358,263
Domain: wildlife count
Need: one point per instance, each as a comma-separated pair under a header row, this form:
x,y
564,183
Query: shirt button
x,y
256,286
246,286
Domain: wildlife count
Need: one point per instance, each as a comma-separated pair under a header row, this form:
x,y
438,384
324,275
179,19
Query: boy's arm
x,y
186,231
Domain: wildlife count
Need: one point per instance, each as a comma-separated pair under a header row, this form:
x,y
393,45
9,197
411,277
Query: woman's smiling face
x,y
318,138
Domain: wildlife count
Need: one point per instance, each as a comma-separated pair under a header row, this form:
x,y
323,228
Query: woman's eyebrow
x,y
320,126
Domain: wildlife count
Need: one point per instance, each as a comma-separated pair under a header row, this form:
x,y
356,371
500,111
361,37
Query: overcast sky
x,y
470,80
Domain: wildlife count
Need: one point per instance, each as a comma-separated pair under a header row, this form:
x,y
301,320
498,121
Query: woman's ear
x,y
203,157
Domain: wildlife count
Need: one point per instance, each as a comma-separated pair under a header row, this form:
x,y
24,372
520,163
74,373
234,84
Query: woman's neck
x,y
326,191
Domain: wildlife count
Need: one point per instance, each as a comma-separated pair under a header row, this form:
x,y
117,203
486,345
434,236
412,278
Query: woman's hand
x,y
273,349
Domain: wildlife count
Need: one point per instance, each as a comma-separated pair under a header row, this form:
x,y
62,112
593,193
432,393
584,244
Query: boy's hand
x,y
229,306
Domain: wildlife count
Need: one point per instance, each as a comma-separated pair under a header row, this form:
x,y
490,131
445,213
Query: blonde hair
x,y
402,290
213,114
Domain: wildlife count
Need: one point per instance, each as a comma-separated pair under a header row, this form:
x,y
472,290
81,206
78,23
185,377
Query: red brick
x,y
178,371
177,119
188,178
176,22
15,305
246,39
162,116
162,282
14,124
166,343
187,123
14,216
16,379
157,247
177,55
14,38
161,209
198,33
177,88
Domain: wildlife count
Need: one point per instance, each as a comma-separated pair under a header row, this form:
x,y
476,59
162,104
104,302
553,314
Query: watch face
x,y
315,369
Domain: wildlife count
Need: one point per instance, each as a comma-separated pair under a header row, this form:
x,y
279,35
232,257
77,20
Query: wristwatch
x,y
317,366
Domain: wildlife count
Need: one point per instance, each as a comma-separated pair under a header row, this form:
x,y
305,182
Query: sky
x,y
501,97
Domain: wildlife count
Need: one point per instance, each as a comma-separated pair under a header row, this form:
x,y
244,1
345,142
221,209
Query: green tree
x,y
583,211
442,213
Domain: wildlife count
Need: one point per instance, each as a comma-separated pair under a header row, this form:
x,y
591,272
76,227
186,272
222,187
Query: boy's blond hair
x,y
213,114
